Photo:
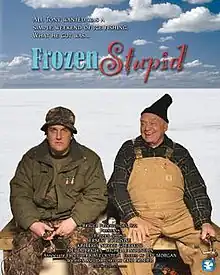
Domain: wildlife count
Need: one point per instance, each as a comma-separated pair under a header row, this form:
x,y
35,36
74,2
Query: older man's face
x,y
152,129
59,138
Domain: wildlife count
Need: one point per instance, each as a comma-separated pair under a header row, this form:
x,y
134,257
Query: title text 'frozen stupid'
x,y
110,65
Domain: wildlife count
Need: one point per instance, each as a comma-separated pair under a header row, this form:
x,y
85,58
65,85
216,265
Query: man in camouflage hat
x,y
60,116
58,187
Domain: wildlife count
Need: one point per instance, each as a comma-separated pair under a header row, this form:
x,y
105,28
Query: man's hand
x,y
207,228
38,228
65,227
138,233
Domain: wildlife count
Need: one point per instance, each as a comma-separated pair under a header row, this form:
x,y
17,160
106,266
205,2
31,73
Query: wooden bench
x,y
6,236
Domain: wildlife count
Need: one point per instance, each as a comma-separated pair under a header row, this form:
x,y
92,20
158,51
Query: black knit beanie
x,y
160,107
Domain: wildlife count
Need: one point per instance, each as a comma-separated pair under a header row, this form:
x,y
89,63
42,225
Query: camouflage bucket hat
x,y
60,116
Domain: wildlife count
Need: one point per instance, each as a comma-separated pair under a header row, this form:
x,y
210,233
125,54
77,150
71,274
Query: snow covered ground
x,y
105,119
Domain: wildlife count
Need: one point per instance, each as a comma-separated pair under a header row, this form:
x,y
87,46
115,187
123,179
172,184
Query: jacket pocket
x,y
73,182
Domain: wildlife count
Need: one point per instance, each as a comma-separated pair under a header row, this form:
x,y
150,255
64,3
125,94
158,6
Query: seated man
x,y
58,186
156,185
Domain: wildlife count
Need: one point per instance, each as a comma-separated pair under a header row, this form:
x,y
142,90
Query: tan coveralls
x,y
156,188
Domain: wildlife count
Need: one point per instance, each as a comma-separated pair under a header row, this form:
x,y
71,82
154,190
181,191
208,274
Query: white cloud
x,y
67,3
197,20
194,63
18,61
141,42
197,1
163,39
169,75
169,58
3,64
207,75
139,10
209,66
163,47
197,63
111,16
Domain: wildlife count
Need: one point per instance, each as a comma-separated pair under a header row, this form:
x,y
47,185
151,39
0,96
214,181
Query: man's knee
x,y
26,255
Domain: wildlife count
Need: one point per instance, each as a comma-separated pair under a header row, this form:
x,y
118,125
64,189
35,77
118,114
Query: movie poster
x,y
107,60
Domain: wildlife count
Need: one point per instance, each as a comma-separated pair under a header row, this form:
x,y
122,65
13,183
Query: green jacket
x,y
80,187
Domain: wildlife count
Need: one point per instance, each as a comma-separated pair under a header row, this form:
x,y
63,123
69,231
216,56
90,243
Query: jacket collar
x,y
41,152
167,142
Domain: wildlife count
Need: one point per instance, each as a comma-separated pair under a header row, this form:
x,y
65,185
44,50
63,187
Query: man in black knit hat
x,y
156,185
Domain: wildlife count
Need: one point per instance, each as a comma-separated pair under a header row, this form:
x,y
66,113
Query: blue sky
x,y
192,22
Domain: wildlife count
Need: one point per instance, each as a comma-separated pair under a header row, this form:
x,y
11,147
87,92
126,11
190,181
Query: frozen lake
x,y
105,119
